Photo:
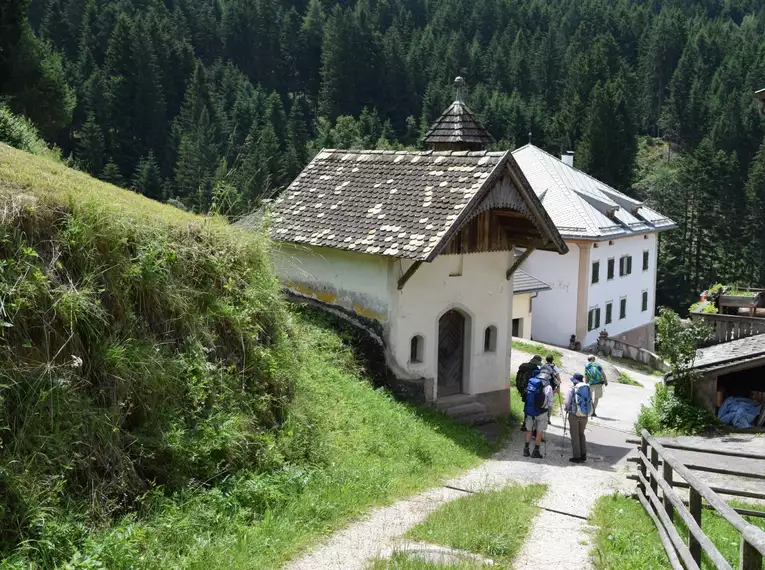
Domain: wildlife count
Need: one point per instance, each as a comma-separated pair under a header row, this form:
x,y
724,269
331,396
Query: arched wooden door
x,y
451,352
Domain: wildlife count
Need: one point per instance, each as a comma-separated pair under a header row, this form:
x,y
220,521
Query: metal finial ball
x,y
459,82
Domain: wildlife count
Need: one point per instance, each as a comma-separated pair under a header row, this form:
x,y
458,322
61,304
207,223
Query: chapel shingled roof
x,y
525,283
397,203
457,126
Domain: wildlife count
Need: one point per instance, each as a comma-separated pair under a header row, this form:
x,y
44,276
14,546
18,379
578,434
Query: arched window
x,y
416,349
490,339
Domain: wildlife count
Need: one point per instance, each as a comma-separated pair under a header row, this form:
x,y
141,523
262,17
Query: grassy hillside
x,y
160,405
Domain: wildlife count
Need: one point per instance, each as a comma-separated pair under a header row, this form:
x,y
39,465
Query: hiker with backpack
x,y
539,400
526,371
553,370
578,406
596,379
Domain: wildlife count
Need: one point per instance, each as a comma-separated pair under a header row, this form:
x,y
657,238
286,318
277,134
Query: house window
x,y
595,271
644,304
625,265
623,308
645,260
609,311
416,350
490,339
610,274
593,319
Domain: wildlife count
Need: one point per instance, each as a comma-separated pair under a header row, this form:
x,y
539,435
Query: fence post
x,y
642,467
751,559
655,463
667,473
694,505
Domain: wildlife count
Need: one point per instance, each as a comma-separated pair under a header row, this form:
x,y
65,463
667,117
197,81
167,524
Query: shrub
x,y
671,414
19,132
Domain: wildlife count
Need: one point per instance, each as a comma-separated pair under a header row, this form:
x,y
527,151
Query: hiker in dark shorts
x,y
526,371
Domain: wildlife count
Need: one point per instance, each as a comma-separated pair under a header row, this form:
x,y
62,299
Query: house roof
x,y
401,203
525,283
735,353
581,206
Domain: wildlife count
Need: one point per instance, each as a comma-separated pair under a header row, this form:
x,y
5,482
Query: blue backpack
x,y
582,400
535,397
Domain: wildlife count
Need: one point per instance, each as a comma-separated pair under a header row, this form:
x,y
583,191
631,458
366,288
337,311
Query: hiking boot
x,y
536,454
523,427
584,458
575,459
526,451
594,415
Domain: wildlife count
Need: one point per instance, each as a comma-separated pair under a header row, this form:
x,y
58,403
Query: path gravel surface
x,y
559,536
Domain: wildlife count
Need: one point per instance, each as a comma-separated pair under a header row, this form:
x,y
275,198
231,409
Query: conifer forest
x,y
213,105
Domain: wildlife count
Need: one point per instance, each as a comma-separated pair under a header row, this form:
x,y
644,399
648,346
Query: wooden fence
x,y
730,327
656,469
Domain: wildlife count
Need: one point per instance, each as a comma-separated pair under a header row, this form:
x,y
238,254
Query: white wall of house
x,y
476,285
522,313
629,287
555,310
355,281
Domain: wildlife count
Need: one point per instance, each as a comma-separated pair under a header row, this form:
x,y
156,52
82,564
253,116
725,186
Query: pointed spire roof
x,y
457,128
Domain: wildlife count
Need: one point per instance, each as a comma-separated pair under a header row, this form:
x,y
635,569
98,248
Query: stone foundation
x,y
643,336
497,402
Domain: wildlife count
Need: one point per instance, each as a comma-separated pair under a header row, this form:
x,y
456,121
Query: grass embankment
x,y
160,406
534,348
625,378
493,524
626,538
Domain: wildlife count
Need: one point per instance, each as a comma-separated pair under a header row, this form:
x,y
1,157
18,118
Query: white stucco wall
x,y
555,310
355,281
629,286
521,310
481,292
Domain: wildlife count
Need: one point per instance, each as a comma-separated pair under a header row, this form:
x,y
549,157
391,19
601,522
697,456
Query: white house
x,y
526,288
419,247
607,280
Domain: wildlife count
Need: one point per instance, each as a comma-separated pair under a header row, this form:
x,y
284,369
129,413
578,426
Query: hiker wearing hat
x,y
578,406
526,371
596,378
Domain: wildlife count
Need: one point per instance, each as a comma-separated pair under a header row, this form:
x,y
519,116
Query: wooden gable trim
x,y
518,261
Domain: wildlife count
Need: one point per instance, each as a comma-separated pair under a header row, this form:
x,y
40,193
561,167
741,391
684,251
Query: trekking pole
x,y
563,440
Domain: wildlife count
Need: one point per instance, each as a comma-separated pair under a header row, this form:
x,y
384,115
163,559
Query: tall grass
x,y
20,133
160,405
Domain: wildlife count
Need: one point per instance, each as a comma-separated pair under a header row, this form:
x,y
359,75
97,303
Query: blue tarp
x,y
739,412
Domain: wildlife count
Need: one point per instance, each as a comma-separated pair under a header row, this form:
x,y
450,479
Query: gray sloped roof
x,y
730,353
457,125
582,206
525,283
398,203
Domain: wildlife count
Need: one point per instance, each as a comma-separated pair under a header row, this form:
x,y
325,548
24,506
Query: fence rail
x,y
656,492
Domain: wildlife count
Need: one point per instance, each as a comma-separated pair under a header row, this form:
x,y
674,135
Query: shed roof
x,y
581,206
525,283
403,203
729,354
